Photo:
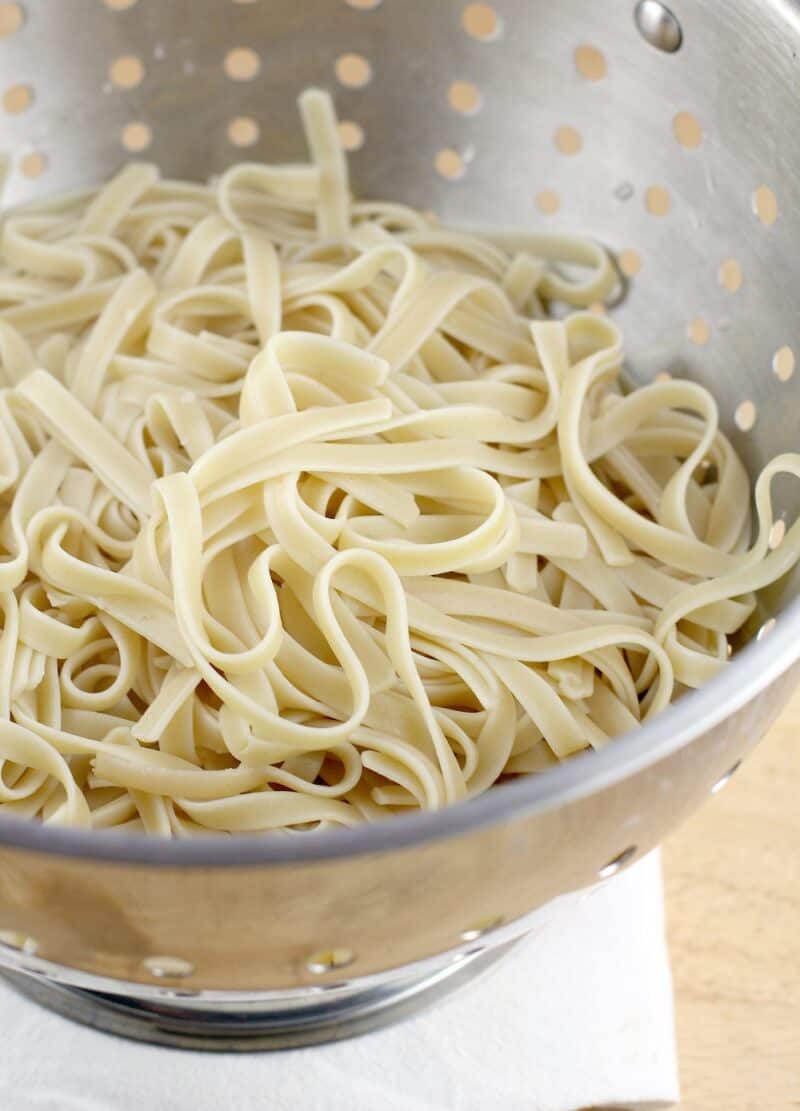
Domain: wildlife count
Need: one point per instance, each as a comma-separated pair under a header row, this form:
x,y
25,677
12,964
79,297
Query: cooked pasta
x,y
314,512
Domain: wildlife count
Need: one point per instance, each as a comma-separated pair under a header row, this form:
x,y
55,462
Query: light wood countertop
x,y
733,904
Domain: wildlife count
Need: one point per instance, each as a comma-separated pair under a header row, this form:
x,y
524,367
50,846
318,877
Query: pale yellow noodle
x,y
309,514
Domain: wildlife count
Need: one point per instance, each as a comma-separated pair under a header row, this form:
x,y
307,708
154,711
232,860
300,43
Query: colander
x,y
666,134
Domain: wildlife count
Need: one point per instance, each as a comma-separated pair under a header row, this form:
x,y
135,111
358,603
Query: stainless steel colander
x,y
669,136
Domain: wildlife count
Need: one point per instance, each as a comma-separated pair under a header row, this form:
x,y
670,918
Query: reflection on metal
x,y
658,25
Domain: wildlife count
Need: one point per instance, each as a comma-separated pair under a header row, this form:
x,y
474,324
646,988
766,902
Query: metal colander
x,y
665,134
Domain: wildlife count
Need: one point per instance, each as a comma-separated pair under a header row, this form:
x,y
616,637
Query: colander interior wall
x,y
554,116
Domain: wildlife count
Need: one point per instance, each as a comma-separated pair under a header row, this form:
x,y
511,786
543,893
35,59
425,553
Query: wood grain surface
x,y
733,904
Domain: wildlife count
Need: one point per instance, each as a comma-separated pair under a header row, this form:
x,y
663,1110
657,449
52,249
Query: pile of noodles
x,y
310,514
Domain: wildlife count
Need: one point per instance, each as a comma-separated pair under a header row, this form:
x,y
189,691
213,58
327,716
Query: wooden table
x,y
733,903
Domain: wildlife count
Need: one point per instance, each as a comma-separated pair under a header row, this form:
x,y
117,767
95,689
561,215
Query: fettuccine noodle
x,y
313,513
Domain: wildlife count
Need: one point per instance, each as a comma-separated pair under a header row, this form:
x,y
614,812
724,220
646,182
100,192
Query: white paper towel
x,y
579,1016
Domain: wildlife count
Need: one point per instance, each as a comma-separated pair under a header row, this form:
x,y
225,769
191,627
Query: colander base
x,y
188,1022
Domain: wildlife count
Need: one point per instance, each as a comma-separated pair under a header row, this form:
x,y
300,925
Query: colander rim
x,y
757,665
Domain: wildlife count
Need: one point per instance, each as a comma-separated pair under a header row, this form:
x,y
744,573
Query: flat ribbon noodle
x,y
314,511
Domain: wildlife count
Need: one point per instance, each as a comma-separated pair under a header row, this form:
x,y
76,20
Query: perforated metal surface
x,y
555,115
